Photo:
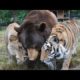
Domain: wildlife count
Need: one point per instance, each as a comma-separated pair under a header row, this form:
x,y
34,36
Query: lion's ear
x,y
42,26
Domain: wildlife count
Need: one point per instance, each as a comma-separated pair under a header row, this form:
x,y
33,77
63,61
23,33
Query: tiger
x,y
61,44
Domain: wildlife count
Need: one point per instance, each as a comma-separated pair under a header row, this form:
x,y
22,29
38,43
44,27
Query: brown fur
x,y
37,17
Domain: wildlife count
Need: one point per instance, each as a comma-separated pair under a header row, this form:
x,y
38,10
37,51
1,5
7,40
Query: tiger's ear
x,y
59,30
62,28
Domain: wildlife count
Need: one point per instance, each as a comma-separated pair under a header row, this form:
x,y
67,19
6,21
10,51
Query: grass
x,y
76,59
3,55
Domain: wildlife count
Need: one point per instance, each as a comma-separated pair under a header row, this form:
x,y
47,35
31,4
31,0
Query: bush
x,y
21,15
7,16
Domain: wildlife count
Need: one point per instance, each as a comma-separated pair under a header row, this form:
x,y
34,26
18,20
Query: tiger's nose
x,y
58,54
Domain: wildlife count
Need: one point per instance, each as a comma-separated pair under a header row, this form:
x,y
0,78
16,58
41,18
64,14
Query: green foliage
x,y
75,13
7,16
21,15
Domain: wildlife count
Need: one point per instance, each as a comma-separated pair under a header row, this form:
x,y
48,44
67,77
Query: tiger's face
x,y
55,46
61,43
59,33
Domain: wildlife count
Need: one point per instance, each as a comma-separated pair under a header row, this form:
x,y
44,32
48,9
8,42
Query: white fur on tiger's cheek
x,y
48,44
49,64
61,55
65,51
62,52
52,51
45,46
66,54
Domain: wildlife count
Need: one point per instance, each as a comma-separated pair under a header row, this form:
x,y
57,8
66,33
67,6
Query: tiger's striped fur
x,y
67,33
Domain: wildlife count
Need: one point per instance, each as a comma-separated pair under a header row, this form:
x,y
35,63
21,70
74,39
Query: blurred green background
x,y
8,16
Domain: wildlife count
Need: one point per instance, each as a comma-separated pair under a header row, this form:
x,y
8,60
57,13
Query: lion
x,y
61,44
16,52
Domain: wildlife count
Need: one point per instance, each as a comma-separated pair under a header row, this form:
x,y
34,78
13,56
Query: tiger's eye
x,y
56,40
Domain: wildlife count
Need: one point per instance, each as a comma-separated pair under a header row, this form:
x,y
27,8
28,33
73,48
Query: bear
x,y
35,30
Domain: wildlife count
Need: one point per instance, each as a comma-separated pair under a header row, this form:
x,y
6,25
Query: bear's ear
x,y
42,26
23,25
17,29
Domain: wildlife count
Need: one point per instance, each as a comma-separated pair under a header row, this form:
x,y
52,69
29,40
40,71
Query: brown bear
x,y
35,30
